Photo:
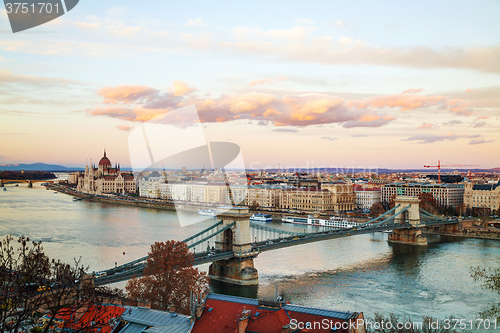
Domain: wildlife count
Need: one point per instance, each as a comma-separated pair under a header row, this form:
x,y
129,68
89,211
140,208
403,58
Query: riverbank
x,y
490,233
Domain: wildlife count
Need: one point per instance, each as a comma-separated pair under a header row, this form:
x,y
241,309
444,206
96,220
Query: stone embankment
x,y
466,229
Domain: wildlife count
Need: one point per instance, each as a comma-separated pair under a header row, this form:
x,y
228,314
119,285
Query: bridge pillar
x,y
30,184
412,235
1,184
240,269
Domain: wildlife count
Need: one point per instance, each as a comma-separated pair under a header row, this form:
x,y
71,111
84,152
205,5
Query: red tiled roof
x,y
221,315
100,315
272,322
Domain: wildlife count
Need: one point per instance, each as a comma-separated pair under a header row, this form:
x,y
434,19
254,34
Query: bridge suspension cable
x,y
379,217
212,235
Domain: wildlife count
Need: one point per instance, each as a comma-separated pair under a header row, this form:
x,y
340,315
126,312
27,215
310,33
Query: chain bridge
x,y
231,244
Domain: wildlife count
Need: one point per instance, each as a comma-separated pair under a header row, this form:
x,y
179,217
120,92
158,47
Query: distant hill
x,y
383,170
37,167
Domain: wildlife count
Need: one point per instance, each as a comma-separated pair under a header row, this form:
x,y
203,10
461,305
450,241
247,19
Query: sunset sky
x,y
389,84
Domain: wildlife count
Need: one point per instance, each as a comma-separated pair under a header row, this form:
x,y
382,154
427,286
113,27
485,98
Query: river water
x,y
361,273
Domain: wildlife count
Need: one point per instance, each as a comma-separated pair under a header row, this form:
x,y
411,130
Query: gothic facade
x,y
105,179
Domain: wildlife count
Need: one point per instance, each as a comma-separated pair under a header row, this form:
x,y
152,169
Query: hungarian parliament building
x,y
105,179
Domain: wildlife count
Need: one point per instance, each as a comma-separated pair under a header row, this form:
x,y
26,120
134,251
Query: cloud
x,y
87,25
470,90
292,130
181,88
425,125
344,41
483,117
195,23
9,78
431,138
329,138
127,94
452,122
341,23
263,81
262,123
370,121
406,102
141,103
480,124
125,128
479,141
412,91
301,45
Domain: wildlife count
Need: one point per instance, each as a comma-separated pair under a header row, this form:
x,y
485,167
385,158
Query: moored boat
x,y
208,212
261,217
333,221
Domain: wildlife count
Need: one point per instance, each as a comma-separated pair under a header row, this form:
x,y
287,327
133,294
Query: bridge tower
x,y
412,235
239,269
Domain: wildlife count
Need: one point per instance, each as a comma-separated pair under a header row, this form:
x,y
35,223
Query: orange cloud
x,y
412,91
425,125
181,88
471,90
126,94
139,103
125,128
408,101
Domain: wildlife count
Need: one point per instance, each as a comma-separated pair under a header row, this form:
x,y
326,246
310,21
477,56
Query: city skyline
x,y
390,85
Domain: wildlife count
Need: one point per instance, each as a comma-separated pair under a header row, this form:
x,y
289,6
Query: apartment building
x,y
264,195
366,196
482,196
444,194
215,193
306,199
343,197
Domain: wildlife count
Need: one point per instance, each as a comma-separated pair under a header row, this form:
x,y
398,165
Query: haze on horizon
x,y
391,84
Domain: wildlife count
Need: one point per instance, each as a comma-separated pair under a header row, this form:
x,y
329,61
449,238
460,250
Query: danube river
x,y
361,273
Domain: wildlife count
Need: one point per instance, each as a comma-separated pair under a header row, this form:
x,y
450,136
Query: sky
x,y
390,84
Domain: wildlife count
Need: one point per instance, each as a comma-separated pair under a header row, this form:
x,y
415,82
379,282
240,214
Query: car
x,y
42,288
100,274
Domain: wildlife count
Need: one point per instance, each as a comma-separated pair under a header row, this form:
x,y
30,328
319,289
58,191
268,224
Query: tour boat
x,y
208,212
261,217
334,221
4,189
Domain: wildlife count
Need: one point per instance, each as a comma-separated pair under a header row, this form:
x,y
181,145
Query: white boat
x,y
333,222
208,212
261,217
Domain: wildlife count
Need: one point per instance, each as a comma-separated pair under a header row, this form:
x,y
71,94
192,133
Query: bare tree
x,y
30,282
490,279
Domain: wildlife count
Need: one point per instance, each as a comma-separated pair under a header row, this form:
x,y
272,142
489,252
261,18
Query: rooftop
x,y
221,315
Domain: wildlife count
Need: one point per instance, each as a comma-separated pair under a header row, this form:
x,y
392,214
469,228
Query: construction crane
x,y
439,165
